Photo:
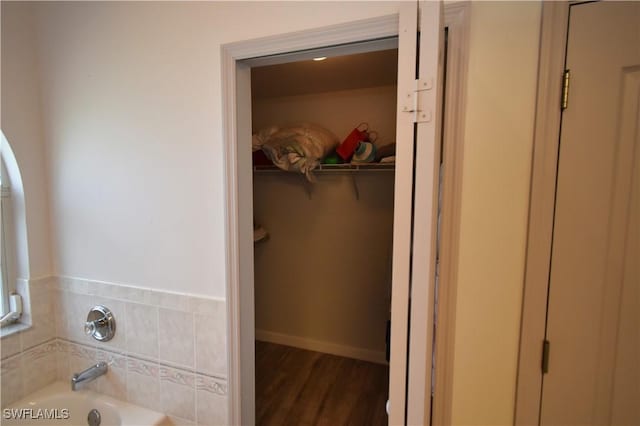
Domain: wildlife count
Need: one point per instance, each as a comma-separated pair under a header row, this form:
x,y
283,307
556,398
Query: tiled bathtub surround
x,y
188,396
28,371
29,356
169,352
38,315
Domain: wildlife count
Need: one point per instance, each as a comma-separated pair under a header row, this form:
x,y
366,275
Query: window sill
x,y
13,329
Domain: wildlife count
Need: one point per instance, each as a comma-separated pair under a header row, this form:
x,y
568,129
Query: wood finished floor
x,y
300,387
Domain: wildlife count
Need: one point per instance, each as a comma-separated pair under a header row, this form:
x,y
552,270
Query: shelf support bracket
x,y
308,187
354,181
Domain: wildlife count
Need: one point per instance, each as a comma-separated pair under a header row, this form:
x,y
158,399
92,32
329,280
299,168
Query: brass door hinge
x,y
565,89
545,356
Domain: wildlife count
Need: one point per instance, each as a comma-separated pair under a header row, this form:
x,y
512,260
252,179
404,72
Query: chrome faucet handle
x,y
100,324
90,327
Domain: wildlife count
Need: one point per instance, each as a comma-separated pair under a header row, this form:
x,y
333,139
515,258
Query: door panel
x,y
402,209
625,409
408,27
593,309
425,213
417,155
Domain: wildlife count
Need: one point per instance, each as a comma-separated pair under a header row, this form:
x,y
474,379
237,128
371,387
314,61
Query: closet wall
x,y
323,278
338,111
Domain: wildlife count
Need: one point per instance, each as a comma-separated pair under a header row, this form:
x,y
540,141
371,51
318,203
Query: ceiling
x,y
356,71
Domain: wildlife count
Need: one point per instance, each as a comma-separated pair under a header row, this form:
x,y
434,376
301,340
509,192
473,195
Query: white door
x,y
593,323
415,212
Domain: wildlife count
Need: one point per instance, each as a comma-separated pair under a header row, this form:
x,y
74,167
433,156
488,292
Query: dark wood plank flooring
x,y
300,387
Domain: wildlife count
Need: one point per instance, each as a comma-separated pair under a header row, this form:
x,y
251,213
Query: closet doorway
x,y
356,189
323,241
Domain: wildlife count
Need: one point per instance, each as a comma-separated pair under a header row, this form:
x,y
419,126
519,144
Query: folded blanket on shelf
x,y
297,148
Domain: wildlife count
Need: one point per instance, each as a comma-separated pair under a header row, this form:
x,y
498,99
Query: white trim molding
x,y
322,346
457,20
553,37
315,38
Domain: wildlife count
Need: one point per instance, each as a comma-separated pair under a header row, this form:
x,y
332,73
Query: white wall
x,y
495,195
325,273
21,123
338,111
132,116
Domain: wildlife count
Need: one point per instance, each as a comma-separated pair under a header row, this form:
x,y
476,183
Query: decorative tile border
x,y
34,353
80,351
115,360
148,378
208,384
62,346
10,364
185,379
40,351
177,376
146,367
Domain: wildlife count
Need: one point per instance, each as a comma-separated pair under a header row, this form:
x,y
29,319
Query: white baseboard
x,y
320,346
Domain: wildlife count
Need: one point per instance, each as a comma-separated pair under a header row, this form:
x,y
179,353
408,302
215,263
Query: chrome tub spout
x,y
88,375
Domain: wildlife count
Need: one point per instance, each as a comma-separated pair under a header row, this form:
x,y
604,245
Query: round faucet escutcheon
x,y
100,324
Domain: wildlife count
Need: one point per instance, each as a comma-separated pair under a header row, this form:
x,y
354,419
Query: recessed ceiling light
x,y
321,58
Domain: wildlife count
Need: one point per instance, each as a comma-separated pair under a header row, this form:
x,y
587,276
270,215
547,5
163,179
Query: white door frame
x,y
553,38
457,20
238,210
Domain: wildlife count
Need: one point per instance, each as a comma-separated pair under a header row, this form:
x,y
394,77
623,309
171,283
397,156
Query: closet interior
x,y
323,236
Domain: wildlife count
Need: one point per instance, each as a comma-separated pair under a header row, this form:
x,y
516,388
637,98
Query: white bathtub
x,y
56,405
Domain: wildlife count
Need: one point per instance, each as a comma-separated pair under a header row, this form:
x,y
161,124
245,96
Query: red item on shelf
x,y
349,145
261,159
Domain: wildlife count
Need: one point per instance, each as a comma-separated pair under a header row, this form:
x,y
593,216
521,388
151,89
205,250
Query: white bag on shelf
x,y
298,147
